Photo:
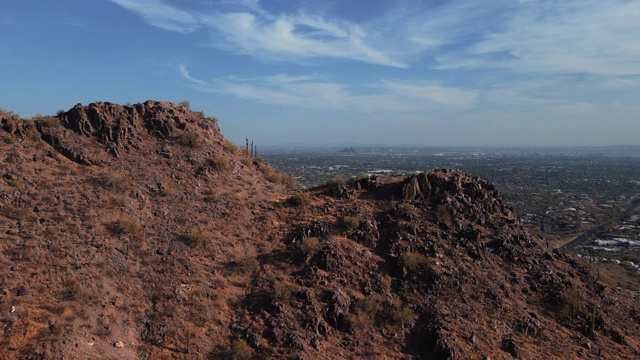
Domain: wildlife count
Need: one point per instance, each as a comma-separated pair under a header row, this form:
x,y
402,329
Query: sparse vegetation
x,y
240,350
247,264
189,139
336,181
125,226
351,223
48,121
402,315
416,261
283,291
299,199
196,238
8,114
220,163
572,303
274,176
365,312
111,180
311,246
185,103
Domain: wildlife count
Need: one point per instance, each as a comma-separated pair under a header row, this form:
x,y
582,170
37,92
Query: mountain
x,y
140,232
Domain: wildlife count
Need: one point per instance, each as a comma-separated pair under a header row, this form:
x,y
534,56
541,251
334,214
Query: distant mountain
x,y
140,232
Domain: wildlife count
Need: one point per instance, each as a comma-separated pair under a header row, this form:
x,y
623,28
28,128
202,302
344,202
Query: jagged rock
x,y
337,309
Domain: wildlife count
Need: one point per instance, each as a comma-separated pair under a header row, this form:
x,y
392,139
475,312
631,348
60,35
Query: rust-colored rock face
x,y
140,232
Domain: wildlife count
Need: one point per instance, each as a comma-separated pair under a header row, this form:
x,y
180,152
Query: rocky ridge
x,y
140,232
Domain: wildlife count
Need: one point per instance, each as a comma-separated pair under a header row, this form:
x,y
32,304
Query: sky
x,y
366,72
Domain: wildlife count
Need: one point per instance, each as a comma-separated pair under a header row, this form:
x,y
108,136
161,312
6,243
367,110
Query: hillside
x,y
140,232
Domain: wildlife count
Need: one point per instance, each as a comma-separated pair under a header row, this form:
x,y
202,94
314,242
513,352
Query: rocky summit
x,y
140,232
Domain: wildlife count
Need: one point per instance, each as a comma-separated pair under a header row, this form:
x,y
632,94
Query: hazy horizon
x,y
502,73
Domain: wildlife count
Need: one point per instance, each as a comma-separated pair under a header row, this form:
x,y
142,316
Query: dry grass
x,y
196,238
125,226
311,246
299,199
247,264
220,163
240,350
283,291
416,261
189,139
351,223
365,312
111,180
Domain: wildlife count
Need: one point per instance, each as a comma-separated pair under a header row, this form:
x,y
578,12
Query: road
x,y
585,236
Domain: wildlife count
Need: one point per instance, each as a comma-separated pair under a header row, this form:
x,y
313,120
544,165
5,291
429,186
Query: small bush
x,y
311,246
125,226
407,209
247,264
189,139
220,163
299,199
112,181
336,181
240,350
365,312
196,238
362,176
416,261
284,291
8,114
572,303
402,315
185,103
49,121
351,223
274,176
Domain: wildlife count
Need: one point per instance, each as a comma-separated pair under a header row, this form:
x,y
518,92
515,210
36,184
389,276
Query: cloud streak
x,y
314,91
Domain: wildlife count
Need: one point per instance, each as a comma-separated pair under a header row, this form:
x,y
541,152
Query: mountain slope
x,y
140,232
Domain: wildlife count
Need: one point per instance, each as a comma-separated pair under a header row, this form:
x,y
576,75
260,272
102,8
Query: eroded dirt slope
x,y
140,232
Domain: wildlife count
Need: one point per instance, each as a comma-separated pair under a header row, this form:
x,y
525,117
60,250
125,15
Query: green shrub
x,y
189,139
185,103
351,223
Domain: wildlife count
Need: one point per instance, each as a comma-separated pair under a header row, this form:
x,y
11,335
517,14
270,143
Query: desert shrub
x,y
164,190
60,112
351,223
274,176
362,176
229,147
407,209
299,199
48,121
310,246
220,163
74,291
240,350
284,291
185,103
8,114
416,261
189,139
125,226
196,238
247,264
402,315
112,181
336,181
572,303
365,312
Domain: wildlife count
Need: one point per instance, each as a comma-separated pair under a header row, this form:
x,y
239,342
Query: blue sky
x,y
432,72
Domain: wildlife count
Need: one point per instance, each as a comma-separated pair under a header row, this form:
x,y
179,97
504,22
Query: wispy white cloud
x,y
315,91
250,30
162,15
551,37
